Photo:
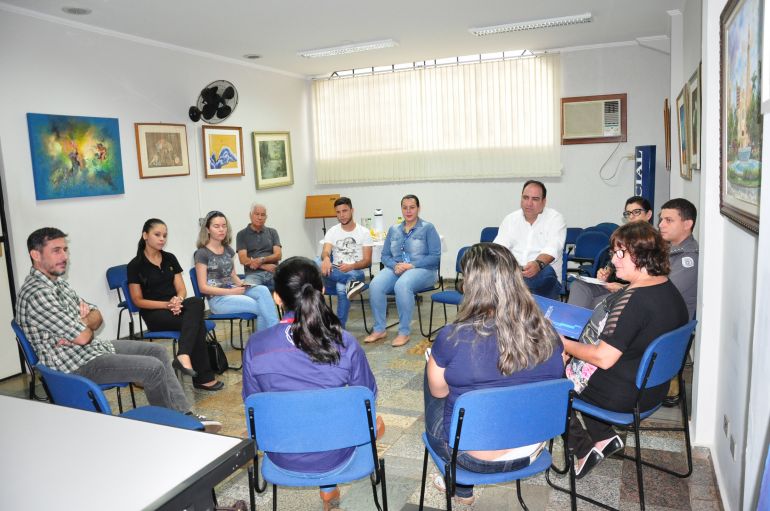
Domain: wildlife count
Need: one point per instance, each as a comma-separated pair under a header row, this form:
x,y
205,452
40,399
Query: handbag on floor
x,y
217,357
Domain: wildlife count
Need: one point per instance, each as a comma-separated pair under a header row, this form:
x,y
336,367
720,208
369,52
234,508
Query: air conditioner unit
x,y
593,119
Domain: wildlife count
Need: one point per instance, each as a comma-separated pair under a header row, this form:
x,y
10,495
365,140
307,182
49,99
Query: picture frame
x,y
161,150
694,122
741,123
683,129
223,151
74,156
272,159
667,132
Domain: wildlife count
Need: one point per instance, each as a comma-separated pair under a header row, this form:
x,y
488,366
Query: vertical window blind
x,y
495,119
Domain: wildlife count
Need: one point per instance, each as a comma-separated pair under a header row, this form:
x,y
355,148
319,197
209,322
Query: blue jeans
x,y
404,286
260,278
434,429
545,283
336,280
256,300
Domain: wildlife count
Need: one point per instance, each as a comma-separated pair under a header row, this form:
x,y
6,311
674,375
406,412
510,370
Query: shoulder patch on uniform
x,y
688,262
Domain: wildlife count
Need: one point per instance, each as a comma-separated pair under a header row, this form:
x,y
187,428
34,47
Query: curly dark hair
x,y
644,244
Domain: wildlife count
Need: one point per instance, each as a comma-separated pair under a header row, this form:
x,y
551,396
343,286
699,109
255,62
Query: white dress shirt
x,y
526,241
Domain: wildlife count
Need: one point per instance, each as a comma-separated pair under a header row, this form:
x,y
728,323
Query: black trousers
x,y
192,328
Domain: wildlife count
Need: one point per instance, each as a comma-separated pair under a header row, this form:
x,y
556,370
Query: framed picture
x,y
694,102
667,132
272,159
683,125
740,140
74,156
161,150
223,151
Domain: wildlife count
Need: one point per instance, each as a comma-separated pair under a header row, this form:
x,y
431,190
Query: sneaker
x,y
209,425
354,288
438,483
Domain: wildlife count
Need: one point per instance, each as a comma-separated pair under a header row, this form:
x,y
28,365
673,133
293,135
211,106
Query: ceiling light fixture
x,y
532,25
76,11
252,56
347,48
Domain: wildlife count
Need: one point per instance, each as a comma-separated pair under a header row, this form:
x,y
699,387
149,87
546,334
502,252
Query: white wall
x,y
65,70
57,69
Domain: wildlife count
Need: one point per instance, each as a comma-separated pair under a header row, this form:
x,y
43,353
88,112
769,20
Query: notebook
x,y
567,319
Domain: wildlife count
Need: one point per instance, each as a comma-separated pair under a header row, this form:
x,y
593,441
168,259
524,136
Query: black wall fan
x,y
216,102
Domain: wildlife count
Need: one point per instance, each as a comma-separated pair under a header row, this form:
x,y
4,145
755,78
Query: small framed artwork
x,y
223,151
272,159
75,156
740,129
161,150
682,110
667,132
694,102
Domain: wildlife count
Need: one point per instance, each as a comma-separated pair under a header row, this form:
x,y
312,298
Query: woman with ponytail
x,y
308,349
156,287
500,338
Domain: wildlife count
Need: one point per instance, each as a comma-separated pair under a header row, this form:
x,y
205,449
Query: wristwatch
x,y
540,263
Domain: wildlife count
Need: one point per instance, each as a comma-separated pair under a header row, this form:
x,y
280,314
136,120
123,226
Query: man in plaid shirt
x,y
60,326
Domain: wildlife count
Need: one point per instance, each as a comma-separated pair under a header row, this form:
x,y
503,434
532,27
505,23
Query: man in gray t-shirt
x,y
259,249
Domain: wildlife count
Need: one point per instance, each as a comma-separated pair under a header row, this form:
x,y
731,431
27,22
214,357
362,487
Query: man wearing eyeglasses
x,y
259,249
535,236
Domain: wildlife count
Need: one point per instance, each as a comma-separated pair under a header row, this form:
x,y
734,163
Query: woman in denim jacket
x,y
411,256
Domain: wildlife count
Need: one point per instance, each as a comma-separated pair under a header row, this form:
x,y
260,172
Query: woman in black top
x,y
156,287
605,361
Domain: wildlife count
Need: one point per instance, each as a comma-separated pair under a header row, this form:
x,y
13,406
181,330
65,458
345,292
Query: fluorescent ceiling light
x,y
531,25
347,48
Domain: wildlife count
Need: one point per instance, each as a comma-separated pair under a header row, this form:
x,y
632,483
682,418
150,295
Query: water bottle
x,y
377,225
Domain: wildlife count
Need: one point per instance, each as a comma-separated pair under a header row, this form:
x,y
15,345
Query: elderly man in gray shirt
x,y
259,249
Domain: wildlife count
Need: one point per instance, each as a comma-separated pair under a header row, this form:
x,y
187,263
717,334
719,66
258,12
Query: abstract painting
x,y
694,102
223,151
272,159
74,156
741,116
161,150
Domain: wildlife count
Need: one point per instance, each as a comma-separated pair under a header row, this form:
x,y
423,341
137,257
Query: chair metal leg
x,y
424,476
518,494
275,498
133,398
379,475
384,485
252,489
638,449
120,399
448,485
363,313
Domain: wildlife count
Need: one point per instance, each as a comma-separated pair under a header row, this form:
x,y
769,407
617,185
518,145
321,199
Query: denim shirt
x,y
423,247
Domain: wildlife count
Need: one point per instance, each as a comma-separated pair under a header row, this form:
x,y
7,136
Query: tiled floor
x,y
399,373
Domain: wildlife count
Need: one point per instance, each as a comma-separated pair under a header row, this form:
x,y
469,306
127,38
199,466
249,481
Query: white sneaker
x,y
354,288
209,425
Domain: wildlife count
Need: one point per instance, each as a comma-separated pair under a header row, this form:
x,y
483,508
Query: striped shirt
x,y
48,311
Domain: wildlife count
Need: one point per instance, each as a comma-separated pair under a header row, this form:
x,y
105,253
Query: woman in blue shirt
x,y
411,256
499,339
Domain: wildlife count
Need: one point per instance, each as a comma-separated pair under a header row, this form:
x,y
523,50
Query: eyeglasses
x,y
619,253
633,213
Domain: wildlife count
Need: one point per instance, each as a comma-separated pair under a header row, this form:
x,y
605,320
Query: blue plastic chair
x,y
240,316
308,421
569,245
606,227
488,234
75,391
115,277
449,296
159,334
418,300
663,360
589,246
31,359
503,418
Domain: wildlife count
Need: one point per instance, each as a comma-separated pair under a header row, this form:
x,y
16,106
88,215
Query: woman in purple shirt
x,y
308,349
499,339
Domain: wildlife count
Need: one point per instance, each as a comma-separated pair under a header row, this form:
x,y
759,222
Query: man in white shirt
x,y
535,236
347,252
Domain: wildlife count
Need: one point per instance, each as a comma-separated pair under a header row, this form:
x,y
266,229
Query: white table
x,y
62,458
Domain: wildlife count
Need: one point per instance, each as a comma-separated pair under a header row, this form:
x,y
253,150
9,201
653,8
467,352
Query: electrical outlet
x,y
726,425
732,447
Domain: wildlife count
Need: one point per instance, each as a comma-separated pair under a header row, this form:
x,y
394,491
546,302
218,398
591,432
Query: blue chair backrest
x,y
133,309
590,243
488,234
116,275
669,350
26,347
194,282
506,417
572,235
606,227
310,420
460,254
74,391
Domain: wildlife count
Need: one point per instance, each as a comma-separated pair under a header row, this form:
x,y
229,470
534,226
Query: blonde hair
x,y
203,234
496,299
